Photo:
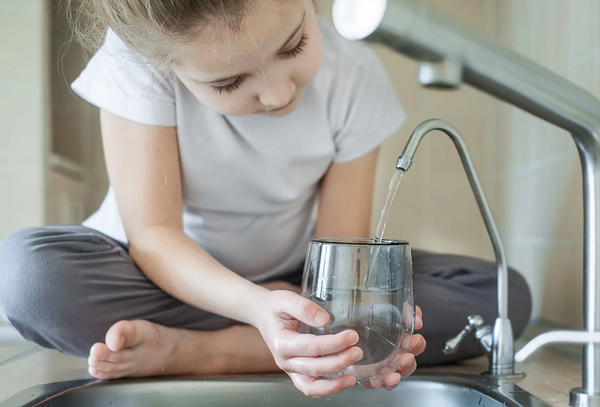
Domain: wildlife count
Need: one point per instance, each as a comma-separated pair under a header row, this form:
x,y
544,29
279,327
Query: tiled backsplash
x,y
534,166
529,169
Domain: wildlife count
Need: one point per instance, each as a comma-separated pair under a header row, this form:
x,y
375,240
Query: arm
x,y
143,167
346,198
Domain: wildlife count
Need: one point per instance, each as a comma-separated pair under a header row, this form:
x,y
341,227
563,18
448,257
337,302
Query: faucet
x,y
451,53
499,341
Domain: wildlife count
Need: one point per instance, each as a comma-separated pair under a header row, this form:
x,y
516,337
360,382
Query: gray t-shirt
x,y
250,183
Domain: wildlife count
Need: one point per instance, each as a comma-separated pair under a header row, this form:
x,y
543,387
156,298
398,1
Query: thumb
x,y
307,311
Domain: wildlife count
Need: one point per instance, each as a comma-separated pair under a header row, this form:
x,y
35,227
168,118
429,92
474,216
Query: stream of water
x,y
396,179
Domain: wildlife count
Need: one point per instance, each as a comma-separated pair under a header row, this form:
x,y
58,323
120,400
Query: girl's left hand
x,y
407,363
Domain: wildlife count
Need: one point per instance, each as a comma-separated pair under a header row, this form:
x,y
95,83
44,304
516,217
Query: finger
x,y
408,364
417,345
303,309
408,315
419,319
405,339
391,381
316,388
368,384
412,316
327,365
294,344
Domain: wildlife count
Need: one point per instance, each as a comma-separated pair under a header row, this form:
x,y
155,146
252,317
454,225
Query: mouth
x,y
282,108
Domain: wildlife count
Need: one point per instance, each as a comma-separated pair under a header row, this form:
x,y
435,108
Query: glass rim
x,y
359,241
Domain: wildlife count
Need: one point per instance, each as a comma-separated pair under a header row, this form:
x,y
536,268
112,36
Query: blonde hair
x,y
158,30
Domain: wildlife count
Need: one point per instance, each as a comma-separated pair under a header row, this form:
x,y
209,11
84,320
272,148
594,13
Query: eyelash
x,y
297,50
231,87
293,53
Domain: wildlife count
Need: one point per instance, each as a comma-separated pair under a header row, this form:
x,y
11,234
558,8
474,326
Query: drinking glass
x,y
366,287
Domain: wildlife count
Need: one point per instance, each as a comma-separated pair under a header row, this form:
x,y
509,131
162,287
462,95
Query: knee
x,y
19,269
34,293
519,301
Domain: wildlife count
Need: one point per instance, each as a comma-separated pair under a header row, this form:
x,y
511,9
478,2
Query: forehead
x,y
222,51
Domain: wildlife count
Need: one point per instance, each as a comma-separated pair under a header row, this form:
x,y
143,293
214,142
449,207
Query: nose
x,y
277,93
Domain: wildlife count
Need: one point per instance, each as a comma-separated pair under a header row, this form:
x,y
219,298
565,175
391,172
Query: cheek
x,y
311,62
235,104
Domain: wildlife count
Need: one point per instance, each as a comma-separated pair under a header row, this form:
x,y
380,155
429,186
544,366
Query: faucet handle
x,y
475,321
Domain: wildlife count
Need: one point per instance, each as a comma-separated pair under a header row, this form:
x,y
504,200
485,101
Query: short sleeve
x,y
123,84
364,108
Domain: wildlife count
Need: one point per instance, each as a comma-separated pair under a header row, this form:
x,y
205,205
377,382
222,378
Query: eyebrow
x,y
287,41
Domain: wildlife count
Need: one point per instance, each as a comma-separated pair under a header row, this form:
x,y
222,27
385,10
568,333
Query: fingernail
x,y
349,382
358,354
321,318
408,362
353,337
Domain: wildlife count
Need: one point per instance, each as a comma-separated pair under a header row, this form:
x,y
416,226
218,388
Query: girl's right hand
x,y
306,357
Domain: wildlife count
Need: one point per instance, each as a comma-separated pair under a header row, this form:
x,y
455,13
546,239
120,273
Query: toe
x,y
101,352
103,366
99,374
122,335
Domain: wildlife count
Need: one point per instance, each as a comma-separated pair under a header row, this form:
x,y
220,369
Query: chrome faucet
x,y
450,54
499,341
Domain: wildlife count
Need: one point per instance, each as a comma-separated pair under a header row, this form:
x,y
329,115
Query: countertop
x,y
551,372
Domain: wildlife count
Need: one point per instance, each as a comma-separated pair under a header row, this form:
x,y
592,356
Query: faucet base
x,y
514,375
577,398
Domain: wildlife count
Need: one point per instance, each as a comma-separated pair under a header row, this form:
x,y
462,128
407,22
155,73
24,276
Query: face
x,y
262,70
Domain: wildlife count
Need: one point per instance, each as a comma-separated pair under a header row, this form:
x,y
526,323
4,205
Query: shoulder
x,y
115,55
119,80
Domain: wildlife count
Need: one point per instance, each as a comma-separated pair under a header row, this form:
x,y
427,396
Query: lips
x,y
281,108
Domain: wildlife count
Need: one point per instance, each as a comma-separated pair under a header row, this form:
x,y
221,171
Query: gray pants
x,y
63,287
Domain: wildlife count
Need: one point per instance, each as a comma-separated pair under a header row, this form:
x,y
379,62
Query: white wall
x,y
23,113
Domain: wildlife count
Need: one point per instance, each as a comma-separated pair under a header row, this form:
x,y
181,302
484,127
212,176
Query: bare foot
x,y
141,348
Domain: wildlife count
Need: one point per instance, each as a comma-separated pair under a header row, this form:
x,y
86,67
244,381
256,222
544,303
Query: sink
x,y
439,390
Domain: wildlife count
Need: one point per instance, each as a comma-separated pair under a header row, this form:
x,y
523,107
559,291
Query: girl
x,y
223,122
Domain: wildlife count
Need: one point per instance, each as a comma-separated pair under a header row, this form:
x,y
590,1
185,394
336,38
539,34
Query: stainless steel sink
x,y
440,390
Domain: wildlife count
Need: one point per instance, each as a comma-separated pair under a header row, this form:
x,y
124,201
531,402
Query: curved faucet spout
x,y
502,353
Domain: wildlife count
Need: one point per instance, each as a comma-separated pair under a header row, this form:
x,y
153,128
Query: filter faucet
x,y
414,29
499,341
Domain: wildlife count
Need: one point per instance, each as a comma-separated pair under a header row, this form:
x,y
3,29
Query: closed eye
x,y
297,50
230,87
237,82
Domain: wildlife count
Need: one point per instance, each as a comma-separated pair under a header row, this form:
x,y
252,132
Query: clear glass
x,y
366,287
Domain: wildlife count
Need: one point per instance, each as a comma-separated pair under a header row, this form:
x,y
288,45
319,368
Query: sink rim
x,y
499,389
